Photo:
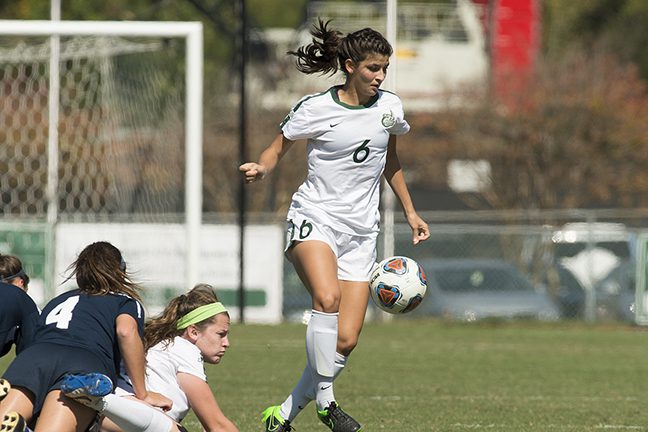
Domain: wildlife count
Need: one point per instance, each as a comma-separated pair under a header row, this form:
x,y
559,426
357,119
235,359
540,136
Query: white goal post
x,y
192,32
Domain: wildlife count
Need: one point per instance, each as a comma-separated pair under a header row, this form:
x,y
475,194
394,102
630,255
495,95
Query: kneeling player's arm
x,y
203,402
132,351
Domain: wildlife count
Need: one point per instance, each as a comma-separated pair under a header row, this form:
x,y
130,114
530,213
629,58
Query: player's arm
x,y
394,176
27,330
268,160
203,402
132,351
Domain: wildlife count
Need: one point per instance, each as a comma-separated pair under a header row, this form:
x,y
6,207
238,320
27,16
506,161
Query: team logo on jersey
x,y
388,120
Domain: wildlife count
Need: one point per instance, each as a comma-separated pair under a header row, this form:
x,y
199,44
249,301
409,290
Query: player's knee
x,y
346,344
328,302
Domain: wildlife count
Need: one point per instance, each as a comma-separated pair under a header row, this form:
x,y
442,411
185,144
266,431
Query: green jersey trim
x,y
334,94
299,104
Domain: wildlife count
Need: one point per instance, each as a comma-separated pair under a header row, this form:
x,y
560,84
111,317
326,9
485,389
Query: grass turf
x,y
433,376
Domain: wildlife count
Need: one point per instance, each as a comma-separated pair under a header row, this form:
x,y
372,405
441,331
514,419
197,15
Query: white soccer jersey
x,y
347,148
163,363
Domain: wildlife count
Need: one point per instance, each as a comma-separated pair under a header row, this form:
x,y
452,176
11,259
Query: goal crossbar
x,y
86,28
193,34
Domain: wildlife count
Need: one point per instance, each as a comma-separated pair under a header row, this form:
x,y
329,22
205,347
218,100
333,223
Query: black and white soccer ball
x,y
397,284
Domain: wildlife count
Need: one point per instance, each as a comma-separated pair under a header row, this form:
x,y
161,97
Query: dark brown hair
x,y
329,49
9,266
100,269
164,326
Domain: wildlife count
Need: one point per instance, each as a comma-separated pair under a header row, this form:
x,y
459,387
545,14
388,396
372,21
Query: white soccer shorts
x,y
356,255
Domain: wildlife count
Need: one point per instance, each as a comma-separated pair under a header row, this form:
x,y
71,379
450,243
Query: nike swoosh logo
x,y
325,387
273,426
334,124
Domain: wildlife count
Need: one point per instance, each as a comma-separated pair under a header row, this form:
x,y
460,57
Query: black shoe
x,y
13,422
4,388
337,420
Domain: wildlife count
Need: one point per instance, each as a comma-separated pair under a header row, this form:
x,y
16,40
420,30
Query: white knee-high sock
x,y
340,362
134,416
321,341
304,391
297,399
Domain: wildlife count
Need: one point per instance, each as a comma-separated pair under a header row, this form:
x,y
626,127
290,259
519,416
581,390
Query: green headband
x,y
200,314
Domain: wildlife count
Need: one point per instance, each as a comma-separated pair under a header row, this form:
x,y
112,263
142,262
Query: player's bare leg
x,y
353,307
17,400
75,418
316,265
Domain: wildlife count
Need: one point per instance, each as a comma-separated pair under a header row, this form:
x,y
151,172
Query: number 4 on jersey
x,y
62,314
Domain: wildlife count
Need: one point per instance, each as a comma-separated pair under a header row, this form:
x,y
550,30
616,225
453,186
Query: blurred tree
x,y
617,25
578,138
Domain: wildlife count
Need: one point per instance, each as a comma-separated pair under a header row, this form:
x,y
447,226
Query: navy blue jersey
x,y
18,318
89,322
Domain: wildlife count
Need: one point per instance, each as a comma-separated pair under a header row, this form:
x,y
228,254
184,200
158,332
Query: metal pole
x,y
388,198
590,292
52,153
243,46
88,28
390,83
193,164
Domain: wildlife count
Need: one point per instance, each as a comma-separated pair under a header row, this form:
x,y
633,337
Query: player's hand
x,y
253,171
420,230
158,400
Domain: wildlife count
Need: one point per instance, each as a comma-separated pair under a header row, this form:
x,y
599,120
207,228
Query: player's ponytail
x,y
164,327
329,50
322,54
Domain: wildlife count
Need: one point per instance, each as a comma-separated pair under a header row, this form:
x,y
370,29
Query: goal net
x,y
99,141
120,140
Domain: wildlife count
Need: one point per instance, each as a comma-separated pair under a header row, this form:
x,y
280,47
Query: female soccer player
x,y
18,312
192,329
333,221
88,329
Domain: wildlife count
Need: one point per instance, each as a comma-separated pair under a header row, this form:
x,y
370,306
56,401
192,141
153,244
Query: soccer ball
x,y
397,284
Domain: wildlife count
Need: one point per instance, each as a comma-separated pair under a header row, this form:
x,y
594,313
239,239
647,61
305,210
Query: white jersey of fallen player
x,y
347,149
164,362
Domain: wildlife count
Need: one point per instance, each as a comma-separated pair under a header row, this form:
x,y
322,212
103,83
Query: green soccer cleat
x,y
337,420
13,422
4,388
274,422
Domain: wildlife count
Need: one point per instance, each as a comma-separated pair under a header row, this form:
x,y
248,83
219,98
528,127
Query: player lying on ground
x,y
192,329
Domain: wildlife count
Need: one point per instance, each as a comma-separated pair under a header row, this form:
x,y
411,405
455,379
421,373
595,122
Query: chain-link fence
x,y
550,265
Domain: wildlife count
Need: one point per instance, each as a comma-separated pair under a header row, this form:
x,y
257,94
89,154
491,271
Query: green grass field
x,y
433,376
